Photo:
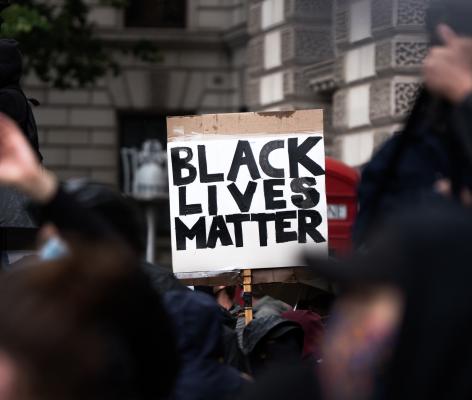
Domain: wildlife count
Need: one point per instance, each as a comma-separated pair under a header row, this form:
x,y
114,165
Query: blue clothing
x,y
197,321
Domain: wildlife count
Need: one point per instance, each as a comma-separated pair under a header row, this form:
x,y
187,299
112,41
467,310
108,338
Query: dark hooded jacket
x,y
197,321
272,341
14,104
313,331
436,144
13,101
433,357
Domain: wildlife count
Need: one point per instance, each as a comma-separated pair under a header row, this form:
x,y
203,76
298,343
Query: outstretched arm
x,y
20,169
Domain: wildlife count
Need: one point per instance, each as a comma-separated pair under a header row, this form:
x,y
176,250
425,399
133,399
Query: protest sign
x,y
246,190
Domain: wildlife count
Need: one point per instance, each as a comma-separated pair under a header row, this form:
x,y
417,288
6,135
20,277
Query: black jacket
x,y
197,323
13,101
405,169
14,104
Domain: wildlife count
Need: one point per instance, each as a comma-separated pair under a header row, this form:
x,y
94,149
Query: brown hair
x,y
87,327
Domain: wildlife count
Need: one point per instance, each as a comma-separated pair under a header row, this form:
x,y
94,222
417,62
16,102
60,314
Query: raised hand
x,y
447,69
19,166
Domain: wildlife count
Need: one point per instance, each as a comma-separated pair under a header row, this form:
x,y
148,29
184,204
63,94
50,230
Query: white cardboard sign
x,y
246,201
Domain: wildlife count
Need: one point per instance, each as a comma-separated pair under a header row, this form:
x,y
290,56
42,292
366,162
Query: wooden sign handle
x,y
247,295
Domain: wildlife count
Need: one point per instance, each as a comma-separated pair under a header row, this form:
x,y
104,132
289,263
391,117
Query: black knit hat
x,y
10,62
118,211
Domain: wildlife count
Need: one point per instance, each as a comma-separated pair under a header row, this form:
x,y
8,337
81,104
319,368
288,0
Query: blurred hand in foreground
x,y
444,188
447,69
19,167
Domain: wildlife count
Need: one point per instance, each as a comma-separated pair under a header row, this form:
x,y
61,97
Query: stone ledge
x,y
91,117
64,136
93,157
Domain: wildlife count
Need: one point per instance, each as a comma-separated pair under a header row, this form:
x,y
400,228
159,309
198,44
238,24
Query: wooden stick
x,y
247,295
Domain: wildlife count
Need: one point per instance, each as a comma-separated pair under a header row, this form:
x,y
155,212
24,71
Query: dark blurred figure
x,y
312,331
433,356
293,382
433,155
85,327
126,221
263,306
272,341
229,313
359,340
225,297
14,103
130,315
203,375
402,329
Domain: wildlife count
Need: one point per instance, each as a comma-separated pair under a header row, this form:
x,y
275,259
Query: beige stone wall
x,y
78,131
285,37
357,59
380,45
200,71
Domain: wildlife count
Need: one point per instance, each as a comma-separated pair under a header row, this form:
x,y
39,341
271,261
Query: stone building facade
x,y
380,45
202,70
358,59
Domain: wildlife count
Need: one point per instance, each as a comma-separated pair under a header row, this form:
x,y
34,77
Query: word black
x,y
244,156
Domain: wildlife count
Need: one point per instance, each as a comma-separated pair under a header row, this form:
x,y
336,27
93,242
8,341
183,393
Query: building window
x,y
358,106
272,50
271,88
272,13
360,25
360,63
156,14
357,148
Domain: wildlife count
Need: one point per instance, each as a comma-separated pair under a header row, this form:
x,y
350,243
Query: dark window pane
x,y
156,14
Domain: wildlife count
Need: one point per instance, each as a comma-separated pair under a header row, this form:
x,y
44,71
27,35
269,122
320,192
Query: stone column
x,y
286,36
380,45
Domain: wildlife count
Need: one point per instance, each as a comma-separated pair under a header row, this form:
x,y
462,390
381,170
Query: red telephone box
x,y
341,186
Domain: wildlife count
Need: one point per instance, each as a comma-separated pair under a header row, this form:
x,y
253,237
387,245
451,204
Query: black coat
x,y
14,104
404,171
197,323
13,101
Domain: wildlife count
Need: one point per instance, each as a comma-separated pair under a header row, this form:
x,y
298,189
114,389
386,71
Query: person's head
x,y
87,326
272,341
10,62
313,331
259,291
224,296
120,213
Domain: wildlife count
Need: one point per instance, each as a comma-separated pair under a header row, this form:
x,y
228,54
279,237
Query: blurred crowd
x,y
85,318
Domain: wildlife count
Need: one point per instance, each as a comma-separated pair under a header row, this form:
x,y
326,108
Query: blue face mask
x,y
53,249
